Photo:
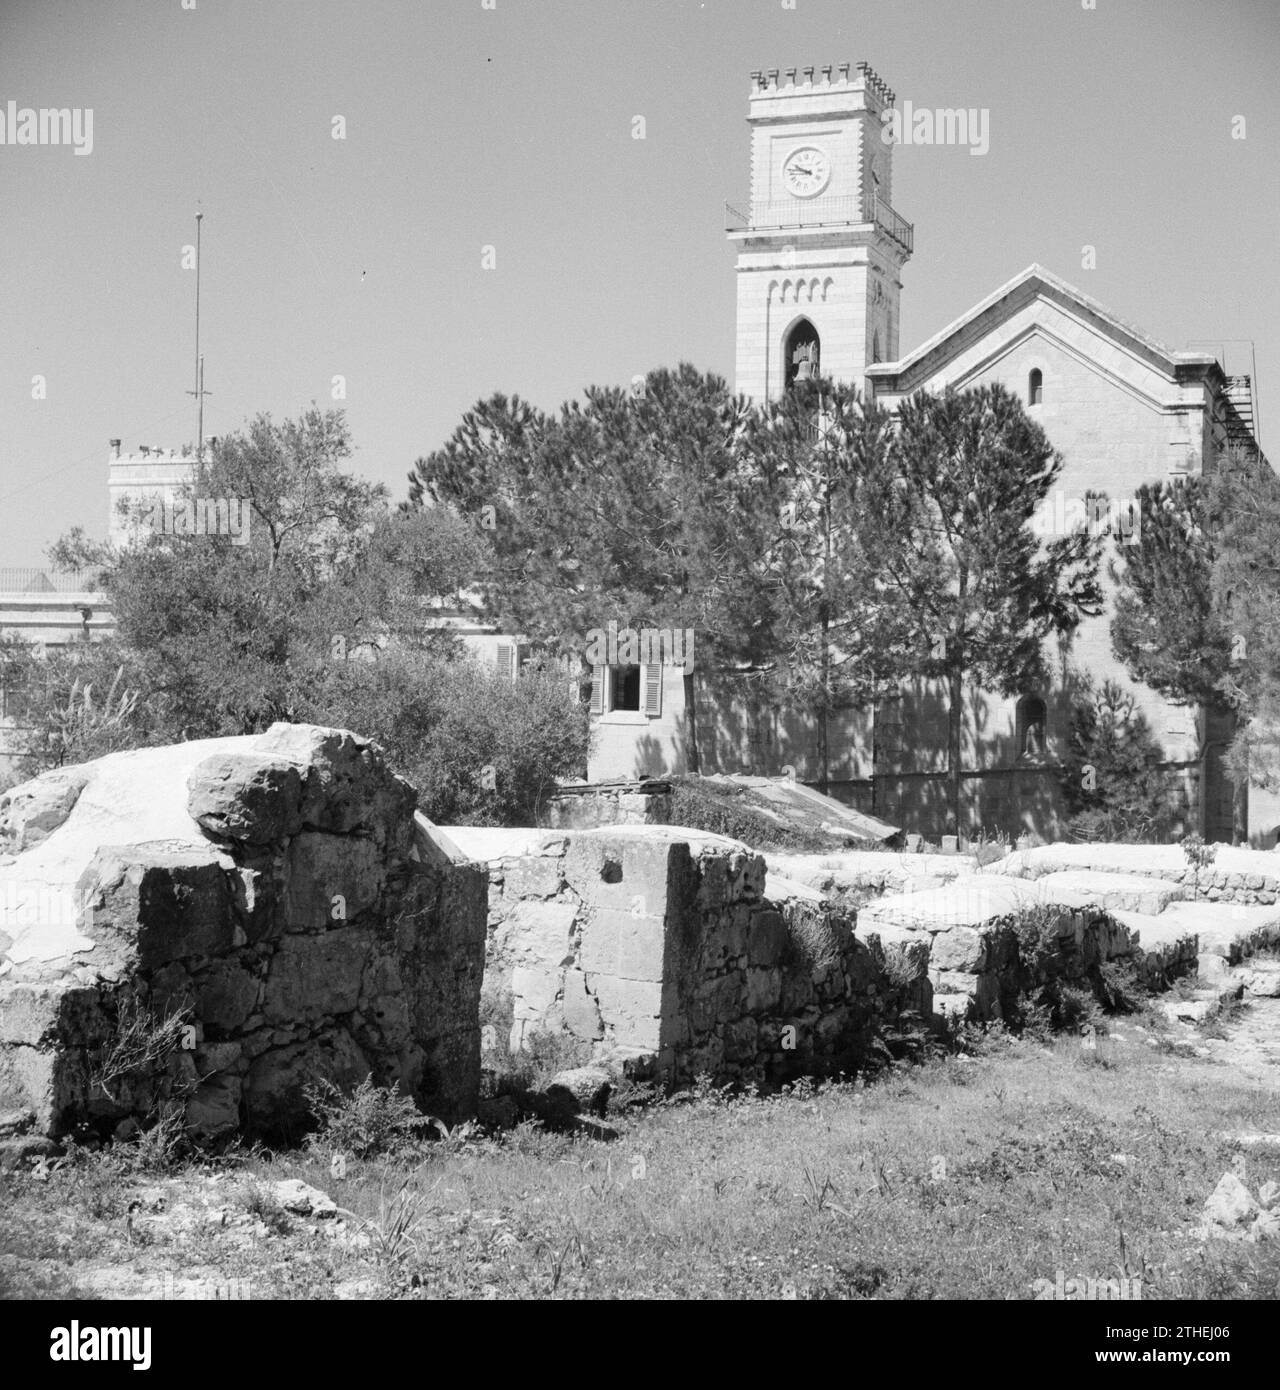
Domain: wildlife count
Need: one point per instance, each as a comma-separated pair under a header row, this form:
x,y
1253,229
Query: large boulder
x,y
218,924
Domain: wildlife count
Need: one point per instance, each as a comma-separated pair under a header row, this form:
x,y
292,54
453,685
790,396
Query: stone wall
x,y
979,933
274,889
677,946
1237,875
616,803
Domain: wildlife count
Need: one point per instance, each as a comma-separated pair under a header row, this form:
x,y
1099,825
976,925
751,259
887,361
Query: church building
x,y
820,255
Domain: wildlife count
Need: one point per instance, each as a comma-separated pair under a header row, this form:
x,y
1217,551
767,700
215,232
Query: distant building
x,y
51,610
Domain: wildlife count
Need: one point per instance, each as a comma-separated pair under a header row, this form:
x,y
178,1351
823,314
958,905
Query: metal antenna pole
x,y
199,393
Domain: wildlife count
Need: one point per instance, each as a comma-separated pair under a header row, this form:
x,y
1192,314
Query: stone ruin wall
x,y
668,944
755,972
625,803
282,890
299,913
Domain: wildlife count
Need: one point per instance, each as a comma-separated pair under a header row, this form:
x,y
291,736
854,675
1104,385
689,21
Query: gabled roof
x,y
1014,295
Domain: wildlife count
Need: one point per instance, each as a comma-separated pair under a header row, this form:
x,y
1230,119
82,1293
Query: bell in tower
x,y
802,352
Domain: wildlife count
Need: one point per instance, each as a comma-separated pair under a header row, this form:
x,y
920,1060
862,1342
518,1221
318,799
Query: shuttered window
x,y
652,685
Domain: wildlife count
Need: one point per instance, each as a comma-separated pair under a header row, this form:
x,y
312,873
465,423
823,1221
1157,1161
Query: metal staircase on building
x,y
1240,421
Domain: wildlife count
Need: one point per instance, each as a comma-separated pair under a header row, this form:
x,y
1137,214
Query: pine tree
x,y
1111,778
630,506
971,470
1243,507
835,633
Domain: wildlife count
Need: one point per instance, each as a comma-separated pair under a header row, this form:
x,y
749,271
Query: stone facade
x,y
273,891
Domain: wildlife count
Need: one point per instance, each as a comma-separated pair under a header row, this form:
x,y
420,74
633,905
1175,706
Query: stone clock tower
x,y
820,247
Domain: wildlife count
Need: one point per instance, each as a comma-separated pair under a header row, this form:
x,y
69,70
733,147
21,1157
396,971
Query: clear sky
x,y
512,127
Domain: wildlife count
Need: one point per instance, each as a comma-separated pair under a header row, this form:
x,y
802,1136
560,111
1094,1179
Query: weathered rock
x,y
1266,1226
228,994
1188,1010
18,1150
347,786
1212,967
312,942
297,1197
1229,1207
215,1107
31,812
316,975
246,796
277,1079
15,1121
589,1087
1263,983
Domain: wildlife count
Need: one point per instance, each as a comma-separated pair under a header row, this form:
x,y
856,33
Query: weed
x,y
393,1230
372,1120
262,1202
141,1045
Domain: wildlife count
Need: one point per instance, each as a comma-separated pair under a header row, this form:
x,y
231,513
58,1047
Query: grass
x,y
961,1177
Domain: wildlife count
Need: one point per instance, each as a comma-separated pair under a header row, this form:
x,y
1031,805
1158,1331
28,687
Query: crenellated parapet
x,y
837,77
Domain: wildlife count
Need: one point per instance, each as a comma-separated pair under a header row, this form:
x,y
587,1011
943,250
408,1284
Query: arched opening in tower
x,y
801,351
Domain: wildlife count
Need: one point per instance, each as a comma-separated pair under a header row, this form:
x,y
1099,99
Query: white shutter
x,y
597,689
651,675
507,660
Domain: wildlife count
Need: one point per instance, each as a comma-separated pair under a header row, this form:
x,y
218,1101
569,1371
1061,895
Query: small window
x,y
875,347
1035,387
1031,721
624,688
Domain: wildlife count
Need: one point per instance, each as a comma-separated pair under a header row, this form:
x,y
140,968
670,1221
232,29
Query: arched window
x,y
875,346
1035,387
1030,724
800,352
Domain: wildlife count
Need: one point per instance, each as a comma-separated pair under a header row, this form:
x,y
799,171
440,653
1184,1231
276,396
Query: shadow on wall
x,y
895,765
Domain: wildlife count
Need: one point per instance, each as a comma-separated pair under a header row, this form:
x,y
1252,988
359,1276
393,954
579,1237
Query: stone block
x,y
329,879
535,988
215,1107
621,944
540,933
273,1088
631,1010
30,812
581,1012
959,948
764,989
164,904
311,977
246,796
533,876
347,786
740,1039
227,995
768,938
621,871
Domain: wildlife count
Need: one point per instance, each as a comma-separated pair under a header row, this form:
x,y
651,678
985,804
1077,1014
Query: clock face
x,y
806,172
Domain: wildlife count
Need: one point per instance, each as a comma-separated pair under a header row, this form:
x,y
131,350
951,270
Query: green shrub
x,y
480,748
1036,930
371,1121
1119,989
